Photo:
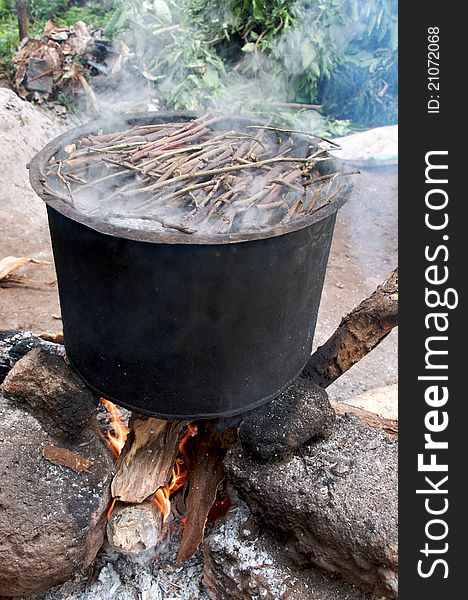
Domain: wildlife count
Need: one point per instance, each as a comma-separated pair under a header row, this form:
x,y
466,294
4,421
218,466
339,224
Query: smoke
x,y
199,54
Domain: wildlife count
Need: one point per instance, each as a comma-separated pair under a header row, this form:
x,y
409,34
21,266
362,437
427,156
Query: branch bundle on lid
x,y
200,175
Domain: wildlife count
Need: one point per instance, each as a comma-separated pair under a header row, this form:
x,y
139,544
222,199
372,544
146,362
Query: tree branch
x,y
358,333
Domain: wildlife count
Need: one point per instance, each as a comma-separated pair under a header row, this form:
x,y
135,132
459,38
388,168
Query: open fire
x,y
178,477
117,433
115,439
154,459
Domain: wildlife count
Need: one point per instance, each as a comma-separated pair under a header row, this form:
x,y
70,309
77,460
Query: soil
x,y
363,253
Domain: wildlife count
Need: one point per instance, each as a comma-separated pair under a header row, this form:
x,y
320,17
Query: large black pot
x,y
180,325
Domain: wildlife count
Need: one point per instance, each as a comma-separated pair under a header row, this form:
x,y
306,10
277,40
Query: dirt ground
x,y
364,248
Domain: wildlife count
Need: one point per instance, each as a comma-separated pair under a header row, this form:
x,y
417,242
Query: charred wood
x,y
204,479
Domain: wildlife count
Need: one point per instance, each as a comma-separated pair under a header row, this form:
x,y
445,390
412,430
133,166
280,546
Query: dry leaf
x,y
65,458
56,337
8,264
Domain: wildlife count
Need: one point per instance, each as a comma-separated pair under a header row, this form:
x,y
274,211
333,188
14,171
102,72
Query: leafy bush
x,y
339,52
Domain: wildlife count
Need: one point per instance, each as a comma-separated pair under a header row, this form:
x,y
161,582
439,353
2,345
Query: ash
x,y
154,575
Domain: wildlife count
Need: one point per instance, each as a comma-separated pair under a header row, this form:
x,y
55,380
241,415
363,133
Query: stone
x,y
240,567
275,430
376,147
48,388
14,344
52,518
382,401
335,503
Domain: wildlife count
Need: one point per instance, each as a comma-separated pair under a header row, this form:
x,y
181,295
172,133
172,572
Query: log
x,y
358,333
204,479
147,459
369,419
134,528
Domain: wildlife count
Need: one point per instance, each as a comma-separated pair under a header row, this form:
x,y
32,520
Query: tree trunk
x,y
22,10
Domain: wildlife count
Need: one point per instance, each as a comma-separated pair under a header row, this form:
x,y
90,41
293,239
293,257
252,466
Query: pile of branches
x,y
63,60
201,175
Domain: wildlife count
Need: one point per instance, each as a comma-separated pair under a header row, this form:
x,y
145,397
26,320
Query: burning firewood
x,y
204,480
134,528
147,459
196,176
153,466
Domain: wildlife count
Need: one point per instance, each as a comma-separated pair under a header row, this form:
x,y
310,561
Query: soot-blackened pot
x,y
183,325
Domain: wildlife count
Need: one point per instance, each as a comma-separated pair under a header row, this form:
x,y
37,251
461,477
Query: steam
x,y
210,175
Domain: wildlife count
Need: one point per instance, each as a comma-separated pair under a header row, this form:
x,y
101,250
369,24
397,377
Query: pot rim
x,y
38,177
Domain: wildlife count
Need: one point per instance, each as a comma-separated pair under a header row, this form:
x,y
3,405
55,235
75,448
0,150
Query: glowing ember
x,y
115,440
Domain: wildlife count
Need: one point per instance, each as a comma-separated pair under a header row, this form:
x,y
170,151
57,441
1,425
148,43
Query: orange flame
x,y
116,440
179,474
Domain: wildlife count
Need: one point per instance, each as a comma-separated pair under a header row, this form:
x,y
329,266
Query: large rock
x,y
52,517
52,391
14,344
382,401
336,504
301,413
242,562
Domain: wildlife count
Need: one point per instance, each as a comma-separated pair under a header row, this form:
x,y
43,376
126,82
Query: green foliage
x,y
339,53
210,51
8,38
170,50
93,13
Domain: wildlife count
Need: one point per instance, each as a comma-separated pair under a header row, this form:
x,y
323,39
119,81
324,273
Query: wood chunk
x,y
204,479
147,458
370,419
65,458
358,333
8,264
134,528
